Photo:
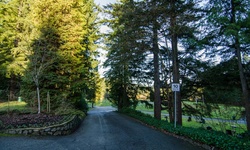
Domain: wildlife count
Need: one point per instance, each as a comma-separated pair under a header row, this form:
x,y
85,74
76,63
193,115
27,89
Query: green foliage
x,y
82,105
69,110
228,40
213,138
135,38
100,89
4,87
52,45
104,102
7,35
127,52
61,51
14,105
10,58
1,124
214,80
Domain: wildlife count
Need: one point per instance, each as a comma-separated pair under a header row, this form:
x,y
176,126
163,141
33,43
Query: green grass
x,y
219,110
104,102
9,106
8,135
224,113
141,107
13,105
212,138
216,125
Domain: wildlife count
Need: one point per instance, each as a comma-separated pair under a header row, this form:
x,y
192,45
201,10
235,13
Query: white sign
x,y
175,87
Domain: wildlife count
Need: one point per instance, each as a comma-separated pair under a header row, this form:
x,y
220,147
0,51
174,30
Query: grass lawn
x,y
9,106
219,110
141,107
12,105
215,124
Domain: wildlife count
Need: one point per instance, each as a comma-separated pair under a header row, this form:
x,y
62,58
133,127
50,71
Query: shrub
x,y
82,105
69,111
213,138
1,125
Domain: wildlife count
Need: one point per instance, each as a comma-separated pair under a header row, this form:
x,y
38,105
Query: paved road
x,y
102,129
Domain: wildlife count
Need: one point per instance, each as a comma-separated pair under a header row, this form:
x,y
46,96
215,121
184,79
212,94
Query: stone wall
x,y
61,129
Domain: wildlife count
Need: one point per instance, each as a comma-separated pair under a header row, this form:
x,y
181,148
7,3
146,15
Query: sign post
x,y
175,88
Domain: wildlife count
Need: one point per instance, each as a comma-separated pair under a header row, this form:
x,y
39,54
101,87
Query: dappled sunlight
x,y
12,105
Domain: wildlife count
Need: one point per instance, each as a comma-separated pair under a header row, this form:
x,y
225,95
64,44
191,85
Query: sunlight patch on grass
x,y
104,103
12,105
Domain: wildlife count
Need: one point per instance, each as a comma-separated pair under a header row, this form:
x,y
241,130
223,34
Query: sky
x,y
103,29
104,2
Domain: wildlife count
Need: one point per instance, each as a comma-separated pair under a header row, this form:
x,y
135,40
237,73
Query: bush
x,y
213,138
82,105
1,125
69,111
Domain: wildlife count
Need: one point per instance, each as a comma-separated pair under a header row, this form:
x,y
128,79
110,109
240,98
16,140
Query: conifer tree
x,y
62,50
227,22
13,14
127,52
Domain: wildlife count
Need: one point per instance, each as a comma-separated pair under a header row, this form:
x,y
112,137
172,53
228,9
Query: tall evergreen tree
x,y
62,50
172,23
180,31
153,23
226,20
5,45
126,53
12,26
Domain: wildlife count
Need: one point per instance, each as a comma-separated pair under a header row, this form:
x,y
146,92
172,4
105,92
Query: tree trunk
x,y
170,109
157,99
176,75
38,99
125,100
244,86
169,93
48,102
243,81
12,86
36,80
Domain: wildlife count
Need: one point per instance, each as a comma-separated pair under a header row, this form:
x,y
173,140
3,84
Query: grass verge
x,y
212,138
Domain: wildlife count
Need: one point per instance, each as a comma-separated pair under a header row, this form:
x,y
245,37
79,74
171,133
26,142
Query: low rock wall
x,y
61,129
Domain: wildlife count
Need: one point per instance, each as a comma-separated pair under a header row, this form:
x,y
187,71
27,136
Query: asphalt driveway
x,y
102,129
